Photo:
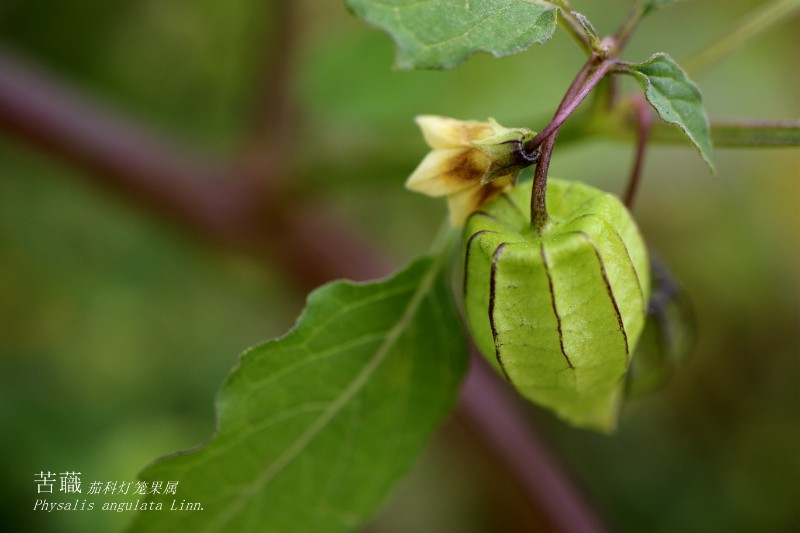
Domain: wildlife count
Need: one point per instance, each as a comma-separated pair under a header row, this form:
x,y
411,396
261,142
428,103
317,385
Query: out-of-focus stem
x,y
644,119
210,200
488,403
751,25
272,108
627,28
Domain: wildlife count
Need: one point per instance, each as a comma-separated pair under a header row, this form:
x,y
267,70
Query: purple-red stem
x,y
211,200
585,81
581,86
644,119
576,94
272,104
488,403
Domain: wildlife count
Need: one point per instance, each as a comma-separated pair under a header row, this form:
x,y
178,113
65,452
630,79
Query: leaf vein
x,y
335,407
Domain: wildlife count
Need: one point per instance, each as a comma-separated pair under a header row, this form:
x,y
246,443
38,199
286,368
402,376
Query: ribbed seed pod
x,y
558,314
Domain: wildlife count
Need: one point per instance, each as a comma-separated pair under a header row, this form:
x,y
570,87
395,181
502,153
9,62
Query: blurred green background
x,y
117,328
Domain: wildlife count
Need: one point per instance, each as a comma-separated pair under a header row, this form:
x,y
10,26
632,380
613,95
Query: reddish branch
x,y
496,413
117,154
169,181
308,244
272,104
584,82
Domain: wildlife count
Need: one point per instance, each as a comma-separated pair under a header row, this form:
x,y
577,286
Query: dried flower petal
x,y
447,171
470,162
445,132
462,204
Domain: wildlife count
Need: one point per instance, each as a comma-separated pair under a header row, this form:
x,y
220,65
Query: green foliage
x,y
315,427
676,99
589,29
558,314
441,34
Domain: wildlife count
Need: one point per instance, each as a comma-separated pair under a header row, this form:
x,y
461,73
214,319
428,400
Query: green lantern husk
x,y
558,314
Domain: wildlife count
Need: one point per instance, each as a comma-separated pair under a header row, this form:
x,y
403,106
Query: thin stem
x,y
272,105
586,80
539,216
750,26
736,134
645,119
488,403
177,185
568,107
756,133
621,123
625,31
166,177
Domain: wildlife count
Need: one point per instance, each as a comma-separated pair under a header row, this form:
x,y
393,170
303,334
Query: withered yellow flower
x,y
470,162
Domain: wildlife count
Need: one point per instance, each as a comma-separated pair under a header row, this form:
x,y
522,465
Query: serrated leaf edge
x,y
421,292
350,391
632,68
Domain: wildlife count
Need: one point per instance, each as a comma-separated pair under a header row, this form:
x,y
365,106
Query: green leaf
x,y
676,99
314,428
589,29
441,34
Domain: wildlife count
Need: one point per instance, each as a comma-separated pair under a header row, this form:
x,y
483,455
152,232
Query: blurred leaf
x,y
676,98
315,427
668,337
755,23
442,34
